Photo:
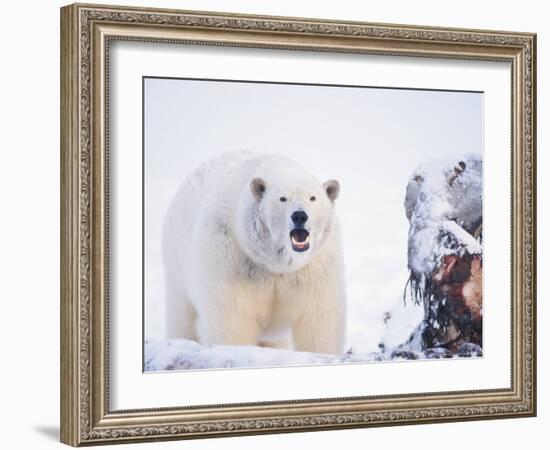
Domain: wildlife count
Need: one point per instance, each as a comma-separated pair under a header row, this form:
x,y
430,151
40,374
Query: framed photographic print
x,y
274,224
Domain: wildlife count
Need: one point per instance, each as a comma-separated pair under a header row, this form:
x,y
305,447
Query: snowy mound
x,y
443,203
180,354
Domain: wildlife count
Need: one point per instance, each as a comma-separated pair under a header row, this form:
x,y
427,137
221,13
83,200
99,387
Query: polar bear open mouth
x,y
299,238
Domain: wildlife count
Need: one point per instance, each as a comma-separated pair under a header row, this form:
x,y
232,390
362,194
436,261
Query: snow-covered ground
x,y
180,354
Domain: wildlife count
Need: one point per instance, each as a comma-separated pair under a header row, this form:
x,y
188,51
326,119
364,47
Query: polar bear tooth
x,y
300,244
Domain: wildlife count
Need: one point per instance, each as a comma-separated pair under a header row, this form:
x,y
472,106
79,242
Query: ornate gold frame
x,y
86,31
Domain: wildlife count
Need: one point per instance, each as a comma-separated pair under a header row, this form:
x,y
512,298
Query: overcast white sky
x,y
370,139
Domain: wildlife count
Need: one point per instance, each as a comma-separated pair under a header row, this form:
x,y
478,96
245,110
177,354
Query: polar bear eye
x,y
313,198
283,199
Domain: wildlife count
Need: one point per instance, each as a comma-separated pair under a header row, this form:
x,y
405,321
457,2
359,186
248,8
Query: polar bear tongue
x,y
299,239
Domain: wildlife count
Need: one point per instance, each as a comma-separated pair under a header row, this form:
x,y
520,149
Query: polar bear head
x,y
287,216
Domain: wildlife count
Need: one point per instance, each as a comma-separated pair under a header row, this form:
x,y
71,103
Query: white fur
x,y
232,276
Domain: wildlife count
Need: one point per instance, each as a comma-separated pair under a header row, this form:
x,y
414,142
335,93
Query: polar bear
x,y
252,256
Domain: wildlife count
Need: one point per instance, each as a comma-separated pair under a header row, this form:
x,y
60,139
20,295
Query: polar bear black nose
x,y
299,218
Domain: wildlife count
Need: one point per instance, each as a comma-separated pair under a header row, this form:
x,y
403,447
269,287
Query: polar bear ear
x,y
332,188
257,186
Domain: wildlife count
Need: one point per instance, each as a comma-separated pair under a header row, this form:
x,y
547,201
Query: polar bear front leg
x,y
228,317
321,326
180,315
